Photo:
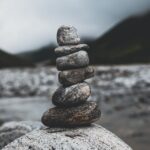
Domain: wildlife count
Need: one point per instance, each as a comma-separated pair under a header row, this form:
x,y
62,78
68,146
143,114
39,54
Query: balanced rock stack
x,y
72,107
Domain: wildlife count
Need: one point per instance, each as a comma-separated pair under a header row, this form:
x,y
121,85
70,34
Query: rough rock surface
x,y
72,95
74,76
93,137
74,116
76,60
67,35
69,49
13,130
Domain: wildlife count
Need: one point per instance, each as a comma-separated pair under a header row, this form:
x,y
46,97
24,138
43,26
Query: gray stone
x,y
84,114
67,35
72,95
93,137
74,76
65,50
76,60
13,130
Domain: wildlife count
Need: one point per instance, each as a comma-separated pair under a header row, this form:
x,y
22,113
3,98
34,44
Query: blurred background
x,y
118,33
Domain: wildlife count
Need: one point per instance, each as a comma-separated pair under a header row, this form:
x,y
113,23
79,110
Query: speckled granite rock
x,y
74,116
71,96
76,60
13,130
67,35
69,49
93,137
74,76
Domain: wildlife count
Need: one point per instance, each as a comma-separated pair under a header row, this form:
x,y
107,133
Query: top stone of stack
x,y
67,35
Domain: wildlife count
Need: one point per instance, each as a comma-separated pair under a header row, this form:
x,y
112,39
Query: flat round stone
x,y
84,114
71,96
67,35
74,76
65,50
76,60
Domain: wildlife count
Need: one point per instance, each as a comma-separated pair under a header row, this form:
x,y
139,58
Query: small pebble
x,y
65,50
67,35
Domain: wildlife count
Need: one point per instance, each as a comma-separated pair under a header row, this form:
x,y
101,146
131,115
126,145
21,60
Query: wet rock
x,y
72,95
65,50
13,130
67,35
76,60
84,114
93,137
70,77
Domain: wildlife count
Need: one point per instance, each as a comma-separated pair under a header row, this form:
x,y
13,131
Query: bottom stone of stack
x,y
84,114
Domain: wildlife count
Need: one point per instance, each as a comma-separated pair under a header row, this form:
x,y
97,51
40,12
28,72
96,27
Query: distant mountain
x,y
43,54
8,60
128,42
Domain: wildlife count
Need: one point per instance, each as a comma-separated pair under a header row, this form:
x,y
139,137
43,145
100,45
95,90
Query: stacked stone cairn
x,y
72,107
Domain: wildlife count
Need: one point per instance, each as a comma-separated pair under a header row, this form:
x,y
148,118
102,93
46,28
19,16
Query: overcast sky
x,y
30,24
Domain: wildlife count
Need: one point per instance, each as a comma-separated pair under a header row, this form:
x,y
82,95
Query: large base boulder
x,y
13,130
93,137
